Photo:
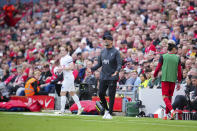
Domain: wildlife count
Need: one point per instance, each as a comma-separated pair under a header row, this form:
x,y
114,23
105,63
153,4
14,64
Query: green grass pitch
x,y
34,122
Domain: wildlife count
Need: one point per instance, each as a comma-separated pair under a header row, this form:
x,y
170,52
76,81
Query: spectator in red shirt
x,y
123,47
149,46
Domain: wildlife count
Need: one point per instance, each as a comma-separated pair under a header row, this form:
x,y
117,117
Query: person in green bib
x,y
170,65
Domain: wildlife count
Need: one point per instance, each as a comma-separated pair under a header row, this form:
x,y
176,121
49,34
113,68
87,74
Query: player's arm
x,y
158,68
179,77
69,67
119,63
99,64
179,71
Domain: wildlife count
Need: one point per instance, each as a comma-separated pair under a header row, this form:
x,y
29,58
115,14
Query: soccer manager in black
x,y
111,63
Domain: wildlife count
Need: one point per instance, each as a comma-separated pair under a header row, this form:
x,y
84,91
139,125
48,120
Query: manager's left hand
x,y
115,73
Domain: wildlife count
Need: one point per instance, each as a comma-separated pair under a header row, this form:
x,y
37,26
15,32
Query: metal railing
x,y
125,92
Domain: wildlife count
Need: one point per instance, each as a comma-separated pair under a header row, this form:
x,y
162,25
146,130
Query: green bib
x,y
170,67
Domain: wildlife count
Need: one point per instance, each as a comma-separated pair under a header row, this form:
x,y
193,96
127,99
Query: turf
x,y
20,122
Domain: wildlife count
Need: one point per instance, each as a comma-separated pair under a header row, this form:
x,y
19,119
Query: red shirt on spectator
x,y
75,73
123,1
13,54
30,50
123,50
30,59
9,10
195,35
151,47
7,81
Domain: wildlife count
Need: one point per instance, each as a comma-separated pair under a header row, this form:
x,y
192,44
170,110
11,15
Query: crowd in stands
x,y
141,30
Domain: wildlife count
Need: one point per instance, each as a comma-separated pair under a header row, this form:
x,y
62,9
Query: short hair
x,y
171,46
37,72
144,75
134,71
46,66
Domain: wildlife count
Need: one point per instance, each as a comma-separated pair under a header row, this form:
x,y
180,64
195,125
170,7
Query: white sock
x,y
63,103
171,111
76,99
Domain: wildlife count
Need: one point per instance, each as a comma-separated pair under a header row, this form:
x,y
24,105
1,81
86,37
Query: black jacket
x,y
111,62
44,76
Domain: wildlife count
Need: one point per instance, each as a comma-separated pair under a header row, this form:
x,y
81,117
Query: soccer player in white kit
x,y
66,66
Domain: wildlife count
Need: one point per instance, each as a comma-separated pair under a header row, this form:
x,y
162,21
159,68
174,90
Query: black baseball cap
x,y
107,37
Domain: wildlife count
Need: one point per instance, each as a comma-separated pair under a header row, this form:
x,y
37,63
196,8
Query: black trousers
x,y
104,85
180,102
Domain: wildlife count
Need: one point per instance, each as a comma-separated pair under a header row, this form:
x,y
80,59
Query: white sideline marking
x,y
44,114
52,114
105,121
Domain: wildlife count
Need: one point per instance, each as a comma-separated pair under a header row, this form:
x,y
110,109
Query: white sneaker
x,y
108,116
106,113
80,111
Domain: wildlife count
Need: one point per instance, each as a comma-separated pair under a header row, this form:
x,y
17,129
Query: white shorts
x,y
68,84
